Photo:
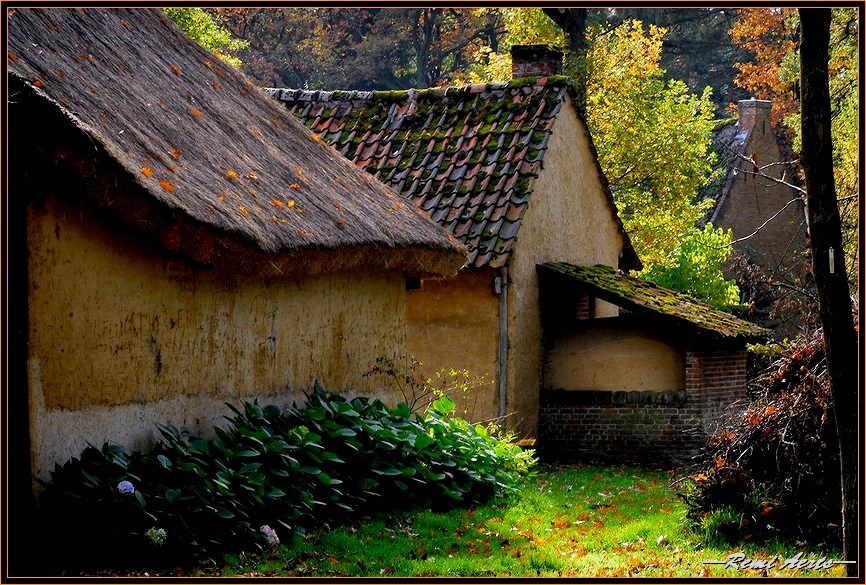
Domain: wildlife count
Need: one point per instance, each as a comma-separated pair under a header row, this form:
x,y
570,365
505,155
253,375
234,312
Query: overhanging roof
x,y
643,297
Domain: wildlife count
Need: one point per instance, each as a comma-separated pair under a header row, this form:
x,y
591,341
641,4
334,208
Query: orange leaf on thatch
x,y
167,186
175,153
175,69
277,202
126,24
315,137
290,203
256,132
196,112
147,171
252,175
232,175
274,218
12,56
242,209
296,187
222,197
37,83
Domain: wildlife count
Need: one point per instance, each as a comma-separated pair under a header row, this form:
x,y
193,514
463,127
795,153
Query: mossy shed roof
x,y
468,156
198,139
643,297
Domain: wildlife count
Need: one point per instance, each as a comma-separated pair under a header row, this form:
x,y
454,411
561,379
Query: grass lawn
x,y
580,521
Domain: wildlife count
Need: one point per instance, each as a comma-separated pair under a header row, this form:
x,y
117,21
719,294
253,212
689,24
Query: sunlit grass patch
x,y
576,521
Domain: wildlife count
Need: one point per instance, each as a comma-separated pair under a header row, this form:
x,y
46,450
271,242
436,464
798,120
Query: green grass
x,y
566,522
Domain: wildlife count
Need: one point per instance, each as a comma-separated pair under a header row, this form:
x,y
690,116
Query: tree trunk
x,y
573,22
423,44
831,280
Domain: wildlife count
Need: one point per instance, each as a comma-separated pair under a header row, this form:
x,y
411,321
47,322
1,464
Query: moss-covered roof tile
x,y
641,296
489,139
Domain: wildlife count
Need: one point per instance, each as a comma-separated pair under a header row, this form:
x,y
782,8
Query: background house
x,y
510,170
187,241
645,386
768,217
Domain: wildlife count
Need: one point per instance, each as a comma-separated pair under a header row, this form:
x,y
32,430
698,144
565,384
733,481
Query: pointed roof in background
x,y
202,141
468,156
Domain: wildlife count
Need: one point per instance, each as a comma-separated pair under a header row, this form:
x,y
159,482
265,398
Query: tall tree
x,y
653,139
573,22
827,258
697,48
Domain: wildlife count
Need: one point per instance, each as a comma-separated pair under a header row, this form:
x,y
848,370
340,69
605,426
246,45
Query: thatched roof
x,y
469,155
196,138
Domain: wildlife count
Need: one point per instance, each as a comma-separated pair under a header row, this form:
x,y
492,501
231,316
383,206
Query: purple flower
x,y
271,535
126,487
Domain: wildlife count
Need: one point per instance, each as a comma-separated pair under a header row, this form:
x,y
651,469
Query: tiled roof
x,y
640,296
468,156
729,143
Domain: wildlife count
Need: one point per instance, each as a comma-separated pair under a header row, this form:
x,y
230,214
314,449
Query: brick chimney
x,y
535,61
754,114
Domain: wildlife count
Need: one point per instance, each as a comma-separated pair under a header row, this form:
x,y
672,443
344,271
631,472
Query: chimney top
x,y
754,113
535,61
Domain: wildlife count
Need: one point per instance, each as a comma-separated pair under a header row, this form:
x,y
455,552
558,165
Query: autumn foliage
x,y
771,35
775,465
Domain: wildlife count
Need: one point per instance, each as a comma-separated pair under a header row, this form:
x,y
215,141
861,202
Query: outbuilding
x,y
647,385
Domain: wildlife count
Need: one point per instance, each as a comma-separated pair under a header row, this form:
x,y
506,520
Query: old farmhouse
x,y
188,242
509,169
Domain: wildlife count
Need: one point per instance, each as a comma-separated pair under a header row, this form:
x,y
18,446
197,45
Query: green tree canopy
x,y
205,29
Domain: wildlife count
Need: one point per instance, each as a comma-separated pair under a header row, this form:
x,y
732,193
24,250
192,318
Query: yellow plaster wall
x,y
122,336
568,219
600,358
454,323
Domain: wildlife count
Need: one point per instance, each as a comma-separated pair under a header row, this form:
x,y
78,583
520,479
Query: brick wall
x,y
719,377
648,428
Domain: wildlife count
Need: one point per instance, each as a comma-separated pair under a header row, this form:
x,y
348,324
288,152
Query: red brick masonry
x,y
648,428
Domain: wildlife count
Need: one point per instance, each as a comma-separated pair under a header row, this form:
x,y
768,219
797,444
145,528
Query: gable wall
x,y
123,336
568,219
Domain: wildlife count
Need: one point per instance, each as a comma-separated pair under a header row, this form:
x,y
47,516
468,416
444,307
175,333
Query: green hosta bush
x,y
271,472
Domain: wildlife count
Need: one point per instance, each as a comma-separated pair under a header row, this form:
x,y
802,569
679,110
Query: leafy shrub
x,y
775,466
272,472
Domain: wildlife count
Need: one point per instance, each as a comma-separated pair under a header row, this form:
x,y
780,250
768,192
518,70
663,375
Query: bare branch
x,y
761,173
